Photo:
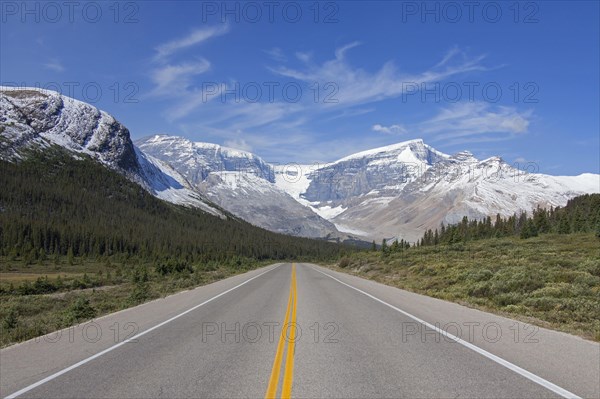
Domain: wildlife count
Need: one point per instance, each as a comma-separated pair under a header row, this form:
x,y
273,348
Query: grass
x,y
89,288
552,280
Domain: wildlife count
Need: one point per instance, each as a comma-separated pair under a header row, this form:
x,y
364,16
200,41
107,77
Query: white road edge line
x,y
530,376
105,351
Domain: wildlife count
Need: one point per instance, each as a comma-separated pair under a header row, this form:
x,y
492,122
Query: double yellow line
x,y
290,313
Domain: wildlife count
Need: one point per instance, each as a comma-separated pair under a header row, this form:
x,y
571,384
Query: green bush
x,y
80,310
11,320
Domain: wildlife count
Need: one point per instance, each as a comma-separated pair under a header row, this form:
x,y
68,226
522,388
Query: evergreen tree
x,y
70,257
529,229
384,247
564,227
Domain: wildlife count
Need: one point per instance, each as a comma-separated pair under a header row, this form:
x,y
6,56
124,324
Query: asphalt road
x,y
346,338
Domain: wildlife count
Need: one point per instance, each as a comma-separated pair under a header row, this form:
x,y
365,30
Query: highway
x,y
344,337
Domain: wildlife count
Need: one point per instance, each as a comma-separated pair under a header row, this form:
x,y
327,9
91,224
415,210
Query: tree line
x,y
52,204
580,215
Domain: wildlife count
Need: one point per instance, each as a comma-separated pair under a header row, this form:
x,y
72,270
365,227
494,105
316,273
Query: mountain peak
x,y
464,156
32,115
417,147
182,142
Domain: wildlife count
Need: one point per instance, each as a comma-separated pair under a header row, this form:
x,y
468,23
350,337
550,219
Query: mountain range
x,y
396,191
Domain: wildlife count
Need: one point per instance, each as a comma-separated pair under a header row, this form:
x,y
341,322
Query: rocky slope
x,y
240,182
396,191
34,119
445,188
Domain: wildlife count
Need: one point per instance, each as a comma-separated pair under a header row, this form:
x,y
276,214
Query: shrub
x,y
480,275
11,319
139,293
80,310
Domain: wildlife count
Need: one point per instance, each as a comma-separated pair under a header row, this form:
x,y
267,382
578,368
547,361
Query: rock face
x,y
377,171
33,119
240,182
399,191
31,115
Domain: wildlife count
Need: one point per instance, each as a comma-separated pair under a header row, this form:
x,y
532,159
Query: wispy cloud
x,y
475,119
467,123
358,86
239,144
175,79
54,65
276,54
355,86
393,129
195,37
279,128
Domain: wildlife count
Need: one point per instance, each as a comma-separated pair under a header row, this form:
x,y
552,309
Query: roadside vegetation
x,y
78,241
549,278
36,299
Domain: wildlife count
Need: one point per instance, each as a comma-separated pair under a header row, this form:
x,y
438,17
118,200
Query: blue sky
x,y
518,80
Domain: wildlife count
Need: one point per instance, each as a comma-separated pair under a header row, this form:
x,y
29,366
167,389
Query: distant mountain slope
x,y
453,187
397,191
239,182
37,119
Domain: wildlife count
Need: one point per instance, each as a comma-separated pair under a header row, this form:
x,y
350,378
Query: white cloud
x,y
341,51
194,98
467,123
175,79
393,129
54,65
238,144
475,119
304,57
276,54
195,37
358,86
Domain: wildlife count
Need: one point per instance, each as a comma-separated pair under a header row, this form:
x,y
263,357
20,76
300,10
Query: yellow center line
x,y
289,361
286,391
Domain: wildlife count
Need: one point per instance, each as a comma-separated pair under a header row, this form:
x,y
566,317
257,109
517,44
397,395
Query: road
x,y
345,337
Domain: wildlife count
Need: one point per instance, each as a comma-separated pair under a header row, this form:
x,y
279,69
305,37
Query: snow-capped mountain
x,y
394,191
37,119
240,182
427,188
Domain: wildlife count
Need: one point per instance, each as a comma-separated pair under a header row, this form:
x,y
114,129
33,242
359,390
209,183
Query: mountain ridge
x,y
36,118
394,191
